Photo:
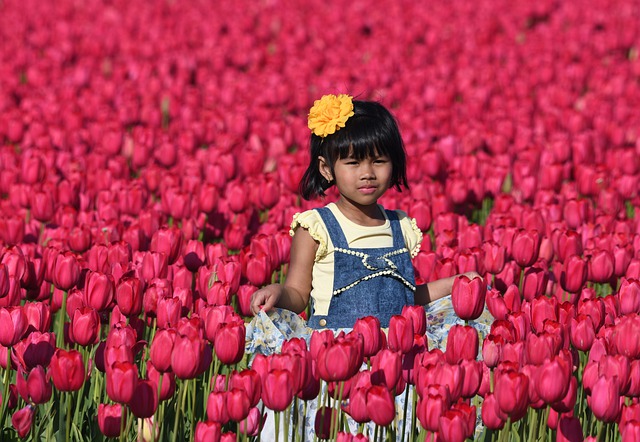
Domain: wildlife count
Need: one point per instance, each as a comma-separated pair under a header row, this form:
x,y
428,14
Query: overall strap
x,y
333,228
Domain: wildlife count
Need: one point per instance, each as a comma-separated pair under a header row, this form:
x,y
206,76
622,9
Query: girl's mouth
x,y
367,190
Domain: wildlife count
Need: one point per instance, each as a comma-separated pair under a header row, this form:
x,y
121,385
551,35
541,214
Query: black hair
x,y
370,131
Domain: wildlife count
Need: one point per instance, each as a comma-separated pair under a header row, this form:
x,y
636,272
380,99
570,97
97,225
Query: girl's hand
x,y
266,298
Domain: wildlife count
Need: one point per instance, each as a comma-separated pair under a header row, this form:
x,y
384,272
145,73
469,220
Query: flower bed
x,y
149,160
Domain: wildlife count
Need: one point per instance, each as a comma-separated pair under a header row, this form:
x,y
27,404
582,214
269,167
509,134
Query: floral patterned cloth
x,y
267,332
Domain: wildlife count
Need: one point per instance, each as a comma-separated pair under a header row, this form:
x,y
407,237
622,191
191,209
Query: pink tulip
x,y
401,334
110,419
468,297
67,370
36,388
22,420
462,344
229,343
369,328
207,431
277,391
604,399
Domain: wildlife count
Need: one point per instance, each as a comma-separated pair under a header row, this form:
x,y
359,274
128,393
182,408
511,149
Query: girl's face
x,y
361,182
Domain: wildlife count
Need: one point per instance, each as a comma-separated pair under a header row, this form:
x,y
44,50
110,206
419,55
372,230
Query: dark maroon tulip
x,y
145,399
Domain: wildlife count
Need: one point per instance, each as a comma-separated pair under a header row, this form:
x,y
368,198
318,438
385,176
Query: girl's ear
x,y
325,169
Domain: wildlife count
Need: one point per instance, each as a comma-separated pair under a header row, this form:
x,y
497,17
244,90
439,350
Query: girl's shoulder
x,y
410,231
311,221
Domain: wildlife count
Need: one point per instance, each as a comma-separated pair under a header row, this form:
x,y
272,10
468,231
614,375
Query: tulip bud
x,y
22,420
400,334
144,401
13,324
122,379
36,388
468,297
277,391
110,419
207,431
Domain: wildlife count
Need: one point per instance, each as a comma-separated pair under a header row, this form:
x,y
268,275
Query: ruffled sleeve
x,y
411,232
311,221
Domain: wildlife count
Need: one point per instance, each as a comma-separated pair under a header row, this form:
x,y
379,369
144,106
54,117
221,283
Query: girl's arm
x,y
439,288
294,293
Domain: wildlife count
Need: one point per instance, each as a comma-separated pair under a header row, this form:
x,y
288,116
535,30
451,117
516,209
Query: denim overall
x,y
366,282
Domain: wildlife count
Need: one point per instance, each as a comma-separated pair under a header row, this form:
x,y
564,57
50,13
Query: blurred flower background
x,y
150,153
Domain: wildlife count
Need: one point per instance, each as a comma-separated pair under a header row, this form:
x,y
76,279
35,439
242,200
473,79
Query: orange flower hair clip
x,y
329,114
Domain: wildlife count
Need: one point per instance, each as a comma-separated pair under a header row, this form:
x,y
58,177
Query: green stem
x,y
68,417
179,407
276,417
60,322
404,413
5,388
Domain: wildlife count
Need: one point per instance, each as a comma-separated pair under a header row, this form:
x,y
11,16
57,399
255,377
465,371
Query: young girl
x,y
351,258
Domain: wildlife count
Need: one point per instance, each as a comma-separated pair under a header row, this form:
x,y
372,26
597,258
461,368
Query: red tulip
x,y
99,290
165,381
534,282
472,377
128,293
144,402
600,266
277,391
229,343
462,344
582,332
217,407
66,271
36,388
84,327
400,334
386,368
380,405
36,349
168,312
67,370
604,399
207,432
569,243
468,297
494,257
357,407
249,381
492,417
525,247
110,419
340,360
629,296
511,391
238,404
186,356
121,380
452,426
22,420
13,324
369,328
252,424
552,379
418,318
167,240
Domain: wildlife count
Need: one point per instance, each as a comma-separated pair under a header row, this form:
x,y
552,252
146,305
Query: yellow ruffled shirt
x,y
357,236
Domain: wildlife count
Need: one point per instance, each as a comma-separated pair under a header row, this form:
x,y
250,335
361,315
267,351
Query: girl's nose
x,y
367,172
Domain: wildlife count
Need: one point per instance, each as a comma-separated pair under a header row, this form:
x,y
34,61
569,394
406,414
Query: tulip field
x,y
150,153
